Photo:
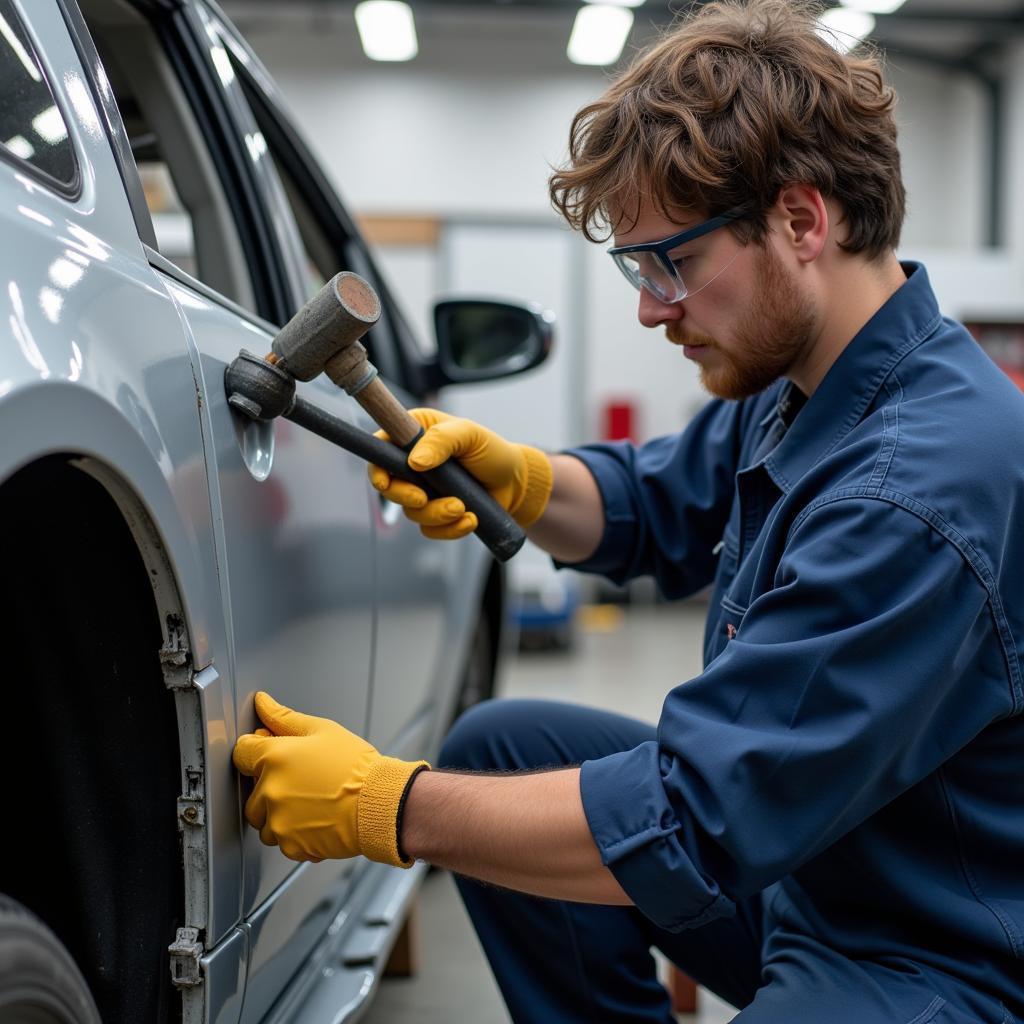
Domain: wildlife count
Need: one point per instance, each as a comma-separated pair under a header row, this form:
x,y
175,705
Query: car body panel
x,y
298,550
224,975
284,931
423,592
79,376
221,46
335,983
293,575
81,263
224,875
414,585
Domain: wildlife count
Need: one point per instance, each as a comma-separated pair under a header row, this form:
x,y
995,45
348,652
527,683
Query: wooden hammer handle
x,y
389,413
351,370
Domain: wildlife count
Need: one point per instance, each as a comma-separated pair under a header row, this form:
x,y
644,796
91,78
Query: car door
x,y
421,587
293,526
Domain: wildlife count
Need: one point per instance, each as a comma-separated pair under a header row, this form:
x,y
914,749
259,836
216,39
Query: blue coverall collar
x,y
853,381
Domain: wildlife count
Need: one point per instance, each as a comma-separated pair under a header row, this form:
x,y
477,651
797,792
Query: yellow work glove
x,y
321,791
518,477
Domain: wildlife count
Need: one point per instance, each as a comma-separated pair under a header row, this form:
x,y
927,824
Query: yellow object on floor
x,y
600,618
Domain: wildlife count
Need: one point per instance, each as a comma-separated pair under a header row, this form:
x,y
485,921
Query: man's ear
x,y
802,221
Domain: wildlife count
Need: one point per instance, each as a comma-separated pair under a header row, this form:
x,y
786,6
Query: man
x,y
827,825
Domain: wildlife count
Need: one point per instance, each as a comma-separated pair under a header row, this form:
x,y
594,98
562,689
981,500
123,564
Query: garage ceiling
x,y
945,32
507,39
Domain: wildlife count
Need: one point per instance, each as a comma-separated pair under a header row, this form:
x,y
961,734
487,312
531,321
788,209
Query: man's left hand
x,y
321,791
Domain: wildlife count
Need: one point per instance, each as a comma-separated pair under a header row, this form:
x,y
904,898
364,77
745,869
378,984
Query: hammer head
x,y
335,318
258,388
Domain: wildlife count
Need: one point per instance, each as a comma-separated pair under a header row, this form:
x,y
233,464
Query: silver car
x,y
164,557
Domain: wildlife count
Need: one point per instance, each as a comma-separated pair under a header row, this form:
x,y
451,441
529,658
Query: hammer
x,y
323,337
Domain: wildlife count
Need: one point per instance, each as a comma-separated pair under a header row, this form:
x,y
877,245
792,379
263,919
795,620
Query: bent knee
x,y
506,735
469,743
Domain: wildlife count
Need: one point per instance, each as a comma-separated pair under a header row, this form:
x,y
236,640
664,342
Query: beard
x,y
768,340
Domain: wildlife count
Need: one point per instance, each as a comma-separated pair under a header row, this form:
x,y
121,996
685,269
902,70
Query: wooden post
x,y
683,991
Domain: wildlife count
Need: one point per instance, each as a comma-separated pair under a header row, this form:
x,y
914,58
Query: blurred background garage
x,y
444,148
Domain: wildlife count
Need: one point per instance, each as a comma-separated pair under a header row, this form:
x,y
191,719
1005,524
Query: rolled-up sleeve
x,y
870,662
666,502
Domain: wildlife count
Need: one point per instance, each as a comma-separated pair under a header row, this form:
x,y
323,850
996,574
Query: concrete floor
x,y
626,661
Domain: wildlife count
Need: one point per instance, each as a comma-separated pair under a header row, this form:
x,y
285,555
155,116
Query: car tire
x,y
39,982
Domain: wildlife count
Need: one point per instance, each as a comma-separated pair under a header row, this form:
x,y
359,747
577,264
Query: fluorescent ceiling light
x,y
874,6
386,30
599,34
844,28
64,273
49,125
623,3
22,54
20,146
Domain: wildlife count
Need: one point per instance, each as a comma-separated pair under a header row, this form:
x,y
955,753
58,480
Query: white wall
x,y
441,144
948,176
472,127
513,263
445,138
942,120
1014,72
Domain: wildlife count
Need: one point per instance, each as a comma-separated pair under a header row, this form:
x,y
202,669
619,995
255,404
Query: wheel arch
x,y
122,449
163,653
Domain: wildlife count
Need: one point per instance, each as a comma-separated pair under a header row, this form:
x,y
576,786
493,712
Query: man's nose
x,y
652,312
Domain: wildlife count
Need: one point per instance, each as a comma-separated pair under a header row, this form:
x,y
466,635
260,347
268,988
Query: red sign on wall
x,y
1004,344
619,421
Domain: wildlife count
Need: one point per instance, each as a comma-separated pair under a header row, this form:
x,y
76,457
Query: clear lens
x,y
645,270
673,277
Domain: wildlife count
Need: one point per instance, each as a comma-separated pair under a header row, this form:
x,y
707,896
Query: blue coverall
x,y
827,824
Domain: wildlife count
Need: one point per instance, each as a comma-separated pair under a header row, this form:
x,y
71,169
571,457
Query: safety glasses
x,y
671,276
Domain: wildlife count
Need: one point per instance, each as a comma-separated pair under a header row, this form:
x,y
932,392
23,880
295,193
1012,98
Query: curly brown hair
x,y
735,103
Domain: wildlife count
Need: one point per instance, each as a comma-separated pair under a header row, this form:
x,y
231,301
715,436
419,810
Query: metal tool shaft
x,y
448,478
359,442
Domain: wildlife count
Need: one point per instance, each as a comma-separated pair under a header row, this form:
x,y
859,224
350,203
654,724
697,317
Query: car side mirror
x,y
478,340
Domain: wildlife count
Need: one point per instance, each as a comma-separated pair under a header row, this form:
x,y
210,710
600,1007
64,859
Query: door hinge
x,y
185,950
174,655
192,826
190,811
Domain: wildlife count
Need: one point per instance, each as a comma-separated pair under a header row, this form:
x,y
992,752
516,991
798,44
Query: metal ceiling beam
x,y
661,12
994,30
674,8
958,18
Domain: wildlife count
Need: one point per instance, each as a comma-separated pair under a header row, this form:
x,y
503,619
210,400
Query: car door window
x,y
193,217
329,243
32,127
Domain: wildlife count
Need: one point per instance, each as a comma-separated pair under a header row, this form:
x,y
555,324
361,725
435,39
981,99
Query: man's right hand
x,y
517,476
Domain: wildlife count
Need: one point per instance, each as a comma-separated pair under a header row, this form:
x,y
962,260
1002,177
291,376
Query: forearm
x,y
573,521
525,832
